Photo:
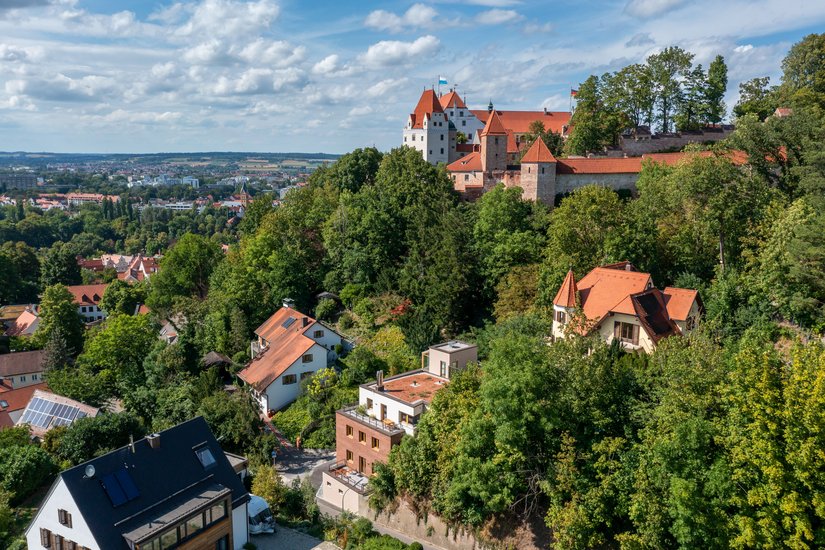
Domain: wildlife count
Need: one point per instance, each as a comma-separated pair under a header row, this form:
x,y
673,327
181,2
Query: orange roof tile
x,y
632,165
679,301
606,289
286,343
519,121
538,152
469,163
23,323
451,99
17,399
494,127
566,296
427,105
86,295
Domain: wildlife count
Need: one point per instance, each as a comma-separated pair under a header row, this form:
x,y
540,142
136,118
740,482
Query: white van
x,y
260,516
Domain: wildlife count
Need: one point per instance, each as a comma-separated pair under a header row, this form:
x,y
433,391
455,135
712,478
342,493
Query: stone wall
x,y
635,148
567,183
430,529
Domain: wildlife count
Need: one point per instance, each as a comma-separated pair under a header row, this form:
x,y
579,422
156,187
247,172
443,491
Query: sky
x,y
138,76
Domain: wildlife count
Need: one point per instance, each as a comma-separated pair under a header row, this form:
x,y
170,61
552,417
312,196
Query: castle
x,y
494,142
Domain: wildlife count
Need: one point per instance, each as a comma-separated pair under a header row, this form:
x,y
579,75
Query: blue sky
x,y
292,75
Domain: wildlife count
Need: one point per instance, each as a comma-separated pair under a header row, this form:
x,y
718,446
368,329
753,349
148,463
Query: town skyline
x,y
227,75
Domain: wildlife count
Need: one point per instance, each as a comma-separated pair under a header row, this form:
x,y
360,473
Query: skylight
x,y
205,456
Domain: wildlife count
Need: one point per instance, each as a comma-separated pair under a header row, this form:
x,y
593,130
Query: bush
x,y
325,309
345,321
415,546
24,469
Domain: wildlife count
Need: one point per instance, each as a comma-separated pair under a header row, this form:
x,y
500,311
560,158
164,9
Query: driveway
x,y
289,539
293,463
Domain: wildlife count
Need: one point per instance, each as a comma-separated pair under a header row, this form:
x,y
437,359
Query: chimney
x,y
289,302
545,110
379,384
304,321
132,443
154,440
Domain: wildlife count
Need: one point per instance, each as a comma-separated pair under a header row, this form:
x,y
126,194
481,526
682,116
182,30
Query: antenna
x,y
89,471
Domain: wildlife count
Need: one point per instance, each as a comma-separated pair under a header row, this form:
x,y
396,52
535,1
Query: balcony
x,y
386,426
351,478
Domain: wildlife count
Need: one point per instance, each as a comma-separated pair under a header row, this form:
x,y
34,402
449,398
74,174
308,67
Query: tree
x,y
717,85
234,419
803,72
20,272
88,437
60,266
256,212
630,91
184,271
550,138
121,297
23,469
594,126
268,485
666,67
354,170
59,318
756,98
693,105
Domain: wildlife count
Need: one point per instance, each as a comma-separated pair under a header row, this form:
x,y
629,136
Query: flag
x,y
442,81
573,93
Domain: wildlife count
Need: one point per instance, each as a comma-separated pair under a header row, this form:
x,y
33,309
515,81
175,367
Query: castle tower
x,y
538,173
493,145
564,304
428,130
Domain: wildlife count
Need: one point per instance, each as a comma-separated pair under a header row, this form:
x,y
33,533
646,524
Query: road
x,y
290,539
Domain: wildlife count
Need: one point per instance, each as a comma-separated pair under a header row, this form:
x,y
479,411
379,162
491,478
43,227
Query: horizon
x,y
129,77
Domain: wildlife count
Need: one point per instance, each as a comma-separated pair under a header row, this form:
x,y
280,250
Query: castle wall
x,y
567,183
635,148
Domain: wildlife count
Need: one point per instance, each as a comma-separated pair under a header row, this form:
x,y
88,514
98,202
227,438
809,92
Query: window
x,y
690,323
442,137
466,177
376,445
218,511
45,538
307,374
626,332
362,464
222,544
369,402
463,122
318,334
169,539
383,412
289,379
205,456
349,431
82,309
442,369
64,517
349,456
58,542
362,438
307,358
22,378
34,377
561,317
495,140
442,150
194,524
542,169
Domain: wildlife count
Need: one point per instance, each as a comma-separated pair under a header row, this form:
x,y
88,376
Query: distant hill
x,y
36,159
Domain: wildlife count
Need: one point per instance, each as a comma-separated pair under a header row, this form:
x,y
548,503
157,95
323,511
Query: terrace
x,y
351,478
386,426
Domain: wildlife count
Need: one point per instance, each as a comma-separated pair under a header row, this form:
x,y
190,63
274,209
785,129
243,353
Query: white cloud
x,y
497,17
392,52
651,8
327,65
743,48
417,16
386,86
360,111
230,18
277,53
537,28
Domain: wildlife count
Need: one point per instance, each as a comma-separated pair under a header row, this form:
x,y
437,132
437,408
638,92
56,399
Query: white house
x,y
171,489
87,298
620,303
20,369
291,347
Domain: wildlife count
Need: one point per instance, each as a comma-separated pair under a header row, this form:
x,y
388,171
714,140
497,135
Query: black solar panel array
x,y
119,487
44,413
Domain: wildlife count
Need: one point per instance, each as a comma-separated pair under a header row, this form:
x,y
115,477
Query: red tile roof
x,y
17,399
469,163
22,324
632,165
451,99
679,301
285,345
519,121
427,105
607,289
494,127
538,152
87,295
21,362
413,387
566,296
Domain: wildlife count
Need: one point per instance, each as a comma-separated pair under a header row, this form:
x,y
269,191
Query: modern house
x,y
290,347
20,369
87,298
173,489
620,303
46,410
387,409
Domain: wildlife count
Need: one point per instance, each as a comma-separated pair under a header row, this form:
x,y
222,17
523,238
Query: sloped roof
x,y
451,99
16,400
607,289
519,121
21,362
566,296
538,152
679,301
630,165
164,478
469,163
494,127
87,295
427,104
24,325
649,307
284,333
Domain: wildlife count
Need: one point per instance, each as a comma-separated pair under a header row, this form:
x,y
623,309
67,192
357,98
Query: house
x,y
620,303
20,369
87,298
9,313
13,403
46,410
25,325
387,409
173,489
291,346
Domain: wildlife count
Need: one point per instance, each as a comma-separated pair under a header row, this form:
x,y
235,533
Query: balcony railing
x,y
386,426
353,479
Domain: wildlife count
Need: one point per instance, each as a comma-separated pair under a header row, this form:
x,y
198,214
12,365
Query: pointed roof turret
x,y
494,127
566,296
538,152
452,99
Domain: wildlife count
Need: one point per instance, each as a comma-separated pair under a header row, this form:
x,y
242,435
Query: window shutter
x,y
617,330
635,335
45,538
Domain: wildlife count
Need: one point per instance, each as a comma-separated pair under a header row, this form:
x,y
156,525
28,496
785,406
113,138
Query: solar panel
x,y
113,490
127,484
44,413
288,322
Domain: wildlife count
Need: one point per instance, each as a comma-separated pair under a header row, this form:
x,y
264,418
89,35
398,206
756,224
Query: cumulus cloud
x,y
743,48
640,39
230,18
651,8
537,28
417,16
497,17
392,52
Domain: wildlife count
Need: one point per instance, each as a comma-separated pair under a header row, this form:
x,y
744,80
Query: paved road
x,y
293,463
290,539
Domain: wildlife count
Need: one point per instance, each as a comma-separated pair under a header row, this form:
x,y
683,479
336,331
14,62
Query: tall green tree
x,y
59,316
666,69
594,126
60,266
756,97
184,271
717,85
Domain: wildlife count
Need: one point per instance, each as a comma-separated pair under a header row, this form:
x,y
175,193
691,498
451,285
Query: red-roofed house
x,y
87,298
622,304
428,129
291,346
13,403
25,325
